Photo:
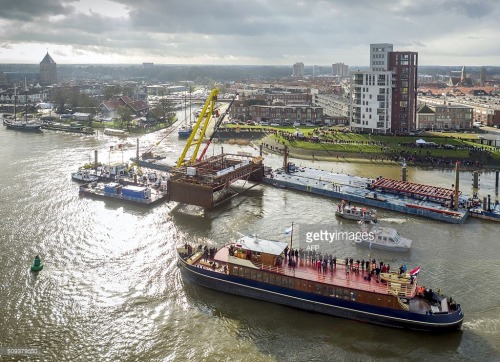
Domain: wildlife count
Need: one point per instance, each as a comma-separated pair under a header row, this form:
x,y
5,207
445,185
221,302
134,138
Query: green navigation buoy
x,y
37,264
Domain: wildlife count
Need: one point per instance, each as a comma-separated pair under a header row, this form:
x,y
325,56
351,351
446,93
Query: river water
x,y
111,289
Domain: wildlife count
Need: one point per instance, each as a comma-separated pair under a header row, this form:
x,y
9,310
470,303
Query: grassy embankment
x,y
346,145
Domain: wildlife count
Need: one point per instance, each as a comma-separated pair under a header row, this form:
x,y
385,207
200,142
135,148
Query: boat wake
x,y
393,220
484,326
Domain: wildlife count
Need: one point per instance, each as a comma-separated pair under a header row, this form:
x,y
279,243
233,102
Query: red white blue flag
x,y
415,272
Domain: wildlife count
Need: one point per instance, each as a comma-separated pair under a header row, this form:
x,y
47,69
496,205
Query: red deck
x,y
413,188
305,270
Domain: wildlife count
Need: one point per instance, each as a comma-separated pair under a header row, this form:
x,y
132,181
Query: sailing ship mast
x,y
15,102
25,102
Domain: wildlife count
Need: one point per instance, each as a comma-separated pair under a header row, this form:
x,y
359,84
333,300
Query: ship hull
x,y
367,243
321,304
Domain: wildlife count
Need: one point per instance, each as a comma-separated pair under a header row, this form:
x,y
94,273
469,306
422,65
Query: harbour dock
x,y
414,199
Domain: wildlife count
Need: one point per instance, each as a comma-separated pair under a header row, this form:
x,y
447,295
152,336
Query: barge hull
x,y
320,304
323,183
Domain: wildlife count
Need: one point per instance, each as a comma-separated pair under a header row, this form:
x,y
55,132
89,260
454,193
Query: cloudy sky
x,y
249,32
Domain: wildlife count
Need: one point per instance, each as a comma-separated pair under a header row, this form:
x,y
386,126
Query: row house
x,y
485,109
444,117
333,105
290,98
240,110
288,113
32,96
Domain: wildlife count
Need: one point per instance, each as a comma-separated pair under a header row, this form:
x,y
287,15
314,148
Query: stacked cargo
x,y
138,192
113,188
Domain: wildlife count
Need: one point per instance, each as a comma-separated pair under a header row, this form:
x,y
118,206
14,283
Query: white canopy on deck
x,y
253,243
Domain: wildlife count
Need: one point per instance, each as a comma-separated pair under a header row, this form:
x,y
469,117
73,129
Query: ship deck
x,y
366,191
338,276
96,189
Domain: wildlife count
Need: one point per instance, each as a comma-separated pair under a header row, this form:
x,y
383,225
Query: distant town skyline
x,y
265,32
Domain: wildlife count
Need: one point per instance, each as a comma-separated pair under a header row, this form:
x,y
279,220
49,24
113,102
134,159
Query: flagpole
x,y
291,238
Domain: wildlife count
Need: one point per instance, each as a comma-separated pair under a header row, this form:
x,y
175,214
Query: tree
x,y
126,115
59,98
112,92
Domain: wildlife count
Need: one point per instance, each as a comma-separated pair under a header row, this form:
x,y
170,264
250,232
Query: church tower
x,y
48,71
463,76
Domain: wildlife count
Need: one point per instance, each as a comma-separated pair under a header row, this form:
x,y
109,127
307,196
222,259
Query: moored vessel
x,y
356,213
24,124
116,132
184,132
383,237
84,176
256,268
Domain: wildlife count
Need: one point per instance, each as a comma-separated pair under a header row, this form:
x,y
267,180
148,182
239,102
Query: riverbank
x,y
271,145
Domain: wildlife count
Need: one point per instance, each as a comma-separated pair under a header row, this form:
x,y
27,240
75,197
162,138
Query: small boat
x,y
116,132
356,213
37,264
74,128
255,268
382,237
84,176
184,132
25,125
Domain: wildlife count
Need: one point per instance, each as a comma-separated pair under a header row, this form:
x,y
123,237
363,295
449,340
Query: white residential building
x,y
371,94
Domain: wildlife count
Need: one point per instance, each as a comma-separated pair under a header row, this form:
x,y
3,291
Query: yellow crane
x,y
199,130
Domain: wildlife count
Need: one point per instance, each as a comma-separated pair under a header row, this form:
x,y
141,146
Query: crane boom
x,y
199,130
216,127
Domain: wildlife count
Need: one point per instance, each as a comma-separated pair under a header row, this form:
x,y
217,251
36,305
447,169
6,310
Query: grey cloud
x,y
266,30
26,10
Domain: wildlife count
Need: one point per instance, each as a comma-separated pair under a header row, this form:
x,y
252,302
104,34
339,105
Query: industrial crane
x,y
200,128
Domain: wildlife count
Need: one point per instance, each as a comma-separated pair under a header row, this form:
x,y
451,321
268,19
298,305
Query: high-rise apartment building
x,y
340,69
384,99
379,56
404,66
371,94
298,70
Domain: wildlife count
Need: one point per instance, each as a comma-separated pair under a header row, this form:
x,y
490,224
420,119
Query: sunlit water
x,y
111,289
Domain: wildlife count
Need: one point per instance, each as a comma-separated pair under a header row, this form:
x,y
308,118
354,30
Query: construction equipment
x,y
207,182
216,127
199,130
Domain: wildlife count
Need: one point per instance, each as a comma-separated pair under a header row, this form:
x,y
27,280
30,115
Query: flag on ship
x,y
288,231
415,272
